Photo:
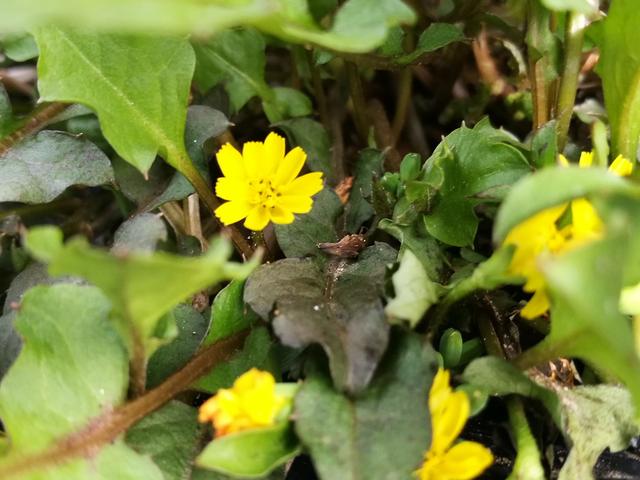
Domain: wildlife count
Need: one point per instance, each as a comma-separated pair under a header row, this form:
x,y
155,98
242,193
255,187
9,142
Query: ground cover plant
x,y
319,239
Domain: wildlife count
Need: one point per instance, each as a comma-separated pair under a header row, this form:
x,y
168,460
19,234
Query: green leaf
x,y
6,113
450,347
132,282
495,376
170,358
424,247
257,352
72,368
286,103
19,47
340,308
42,167
436,36
301,238
170,436
382,433
554,186
138,118
415,293
461,179
139,234
592,418
582,6
229,314
252,453
619,68
313,139
235,58
358,210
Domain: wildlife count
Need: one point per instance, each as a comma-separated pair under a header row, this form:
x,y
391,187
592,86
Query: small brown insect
x,y
349,246
343,189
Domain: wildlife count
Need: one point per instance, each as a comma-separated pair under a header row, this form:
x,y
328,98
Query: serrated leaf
x,y
455,170
42,401
619,68
301,238
170,436
132,282
340,308
415,293
42,167
252,453
351,438
312,137
138,118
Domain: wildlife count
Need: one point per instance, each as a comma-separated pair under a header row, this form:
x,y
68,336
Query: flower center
x,y
263,193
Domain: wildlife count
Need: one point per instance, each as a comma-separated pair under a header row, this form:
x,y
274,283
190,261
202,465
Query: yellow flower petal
x,y
537,305
253,155
257,219
232,212
295,203
440,390
586,159
231,162
621,166
562,160
585,219
466,460
281,216
448,422
274,147
229,188
290,167
308,185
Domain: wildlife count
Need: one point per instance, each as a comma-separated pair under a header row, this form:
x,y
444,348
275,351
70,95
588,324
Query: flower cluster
x,y
260,183
251,403
540,235
449,413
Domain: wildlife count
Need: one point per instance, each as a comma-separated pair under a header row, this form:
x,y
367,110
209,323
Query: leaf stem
x,y
36,121
527,465
359,102
537,32
574,39
107,427
402,103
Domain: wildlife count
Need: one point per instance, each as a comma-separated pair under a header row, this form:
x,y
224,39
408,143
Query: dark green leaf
x,y
169,358
19,47
301,238
313,139
42,167
340,308
358,210
286,103
170,436
229,314
139,234
384,432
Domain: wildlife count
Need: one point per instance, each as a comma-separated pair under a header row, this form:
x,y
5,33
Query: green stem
x,y
538,41
537,355
573,41
527,465
359,102
402,103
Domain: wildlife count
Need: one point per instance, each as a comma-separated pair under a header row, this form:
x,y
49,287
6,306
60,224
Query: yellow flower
x,y
540,235
261,185
449,413
251,403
